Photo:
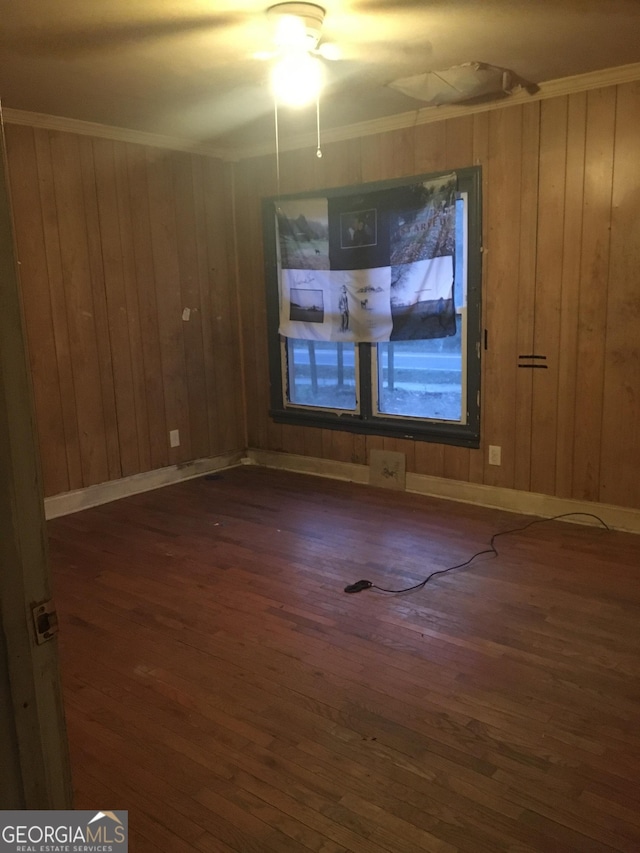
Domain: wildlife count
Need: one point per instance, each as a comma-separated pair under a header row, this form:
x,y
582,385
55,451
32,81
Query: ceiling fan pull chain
x,y
275,107
319,151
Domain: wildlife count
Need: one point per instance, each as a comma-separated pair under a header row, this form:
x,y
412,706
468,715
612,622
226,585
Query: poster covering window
x,y
373,267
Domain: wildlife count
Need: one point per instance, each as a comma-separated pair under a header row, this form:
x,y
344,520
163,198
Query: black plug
x,y
358,586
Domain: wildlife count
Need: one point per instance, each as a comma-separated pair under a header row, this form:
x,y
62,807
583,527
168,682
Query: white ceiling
x,y
185,68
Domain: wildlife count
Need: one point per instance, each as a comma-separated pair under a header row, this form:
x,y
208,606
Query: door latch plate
x,y
45,621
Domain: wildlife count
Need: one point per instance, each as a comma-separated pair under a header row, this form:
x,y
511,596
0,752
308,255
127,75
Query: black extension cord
x,y
358,586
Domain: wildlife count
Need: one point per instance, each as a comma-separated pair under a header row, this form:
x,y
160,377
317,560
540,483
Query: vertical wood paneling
x,y
360,450
32,258
405,446
249,274
402,152
115,239
429,147
167,279
132,306
313,441
224,314
76,276
592,304
103,340
258,182
526,291
546,340
458,143
293,440
572,252
620,446
374,442
116,300
337,445
147,305
372,152
55,282
207,320
501,291
295,165
354,157
429,458
187,246
340,165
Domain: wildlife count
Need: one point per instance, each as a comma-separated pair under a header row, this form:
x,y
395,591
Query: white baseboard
x,y
349,471
512,500
103,493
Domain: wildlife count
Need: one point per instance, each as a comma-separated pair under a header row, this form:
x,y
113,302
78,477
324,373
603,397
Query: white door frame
x,y
34,760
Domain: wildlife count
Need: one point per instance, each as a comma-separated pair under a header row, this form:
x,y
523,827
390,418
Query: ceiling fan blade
x,y
330,50
265,55
389,35
78,41
385,6
367,52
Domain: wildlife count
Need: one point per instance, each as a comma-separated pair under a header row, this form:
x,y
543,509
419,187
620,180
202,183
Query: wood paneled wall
x,y
115,241
561,188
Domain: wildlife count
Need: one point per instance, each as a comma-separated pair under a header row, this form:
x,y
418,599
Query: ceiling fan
x,y
236,32
298,26
296,73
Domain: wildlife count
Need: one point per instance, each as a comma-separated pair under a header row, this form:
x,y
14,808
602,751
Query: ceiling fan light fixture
x,y
290,33
297,25
329,50
296,79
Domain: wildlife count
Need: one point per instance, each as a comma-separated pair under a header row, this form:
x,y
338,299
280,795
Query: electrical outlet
x,y
174,437
495,454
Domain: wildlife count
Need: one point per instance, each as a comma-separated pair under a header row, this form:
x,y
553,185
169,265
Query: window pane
x,y
421,379
460,274
321,374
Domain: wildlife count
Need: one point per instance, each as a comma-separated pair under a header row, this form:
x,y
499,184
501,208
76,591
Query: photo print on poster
x,y
374,267
422,249
306,306
358,232
303,234
358,228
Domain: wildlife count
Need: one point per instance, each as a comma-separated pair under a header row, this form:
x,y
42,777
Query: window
x,y
425,389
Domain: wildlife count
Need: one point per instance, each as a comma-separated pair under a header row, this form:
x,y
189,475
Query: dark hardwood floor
x,y
221,686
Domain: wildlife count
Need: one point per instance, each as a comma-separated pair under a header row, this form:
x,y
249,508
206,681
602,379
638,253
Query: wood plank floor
x,y
221,686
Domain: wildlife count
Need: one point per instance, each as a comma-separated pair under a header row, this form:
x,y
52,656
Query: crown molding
x,y
413,118
104,131
427,115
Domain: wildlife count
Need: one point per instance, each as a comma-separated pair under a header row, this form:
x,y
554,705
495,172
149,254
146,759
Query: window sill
x,y
439,433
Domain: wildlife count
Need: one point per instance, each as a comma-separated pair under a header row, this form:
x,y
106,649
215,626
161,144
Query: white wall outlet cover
x,y
495,454
387,468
